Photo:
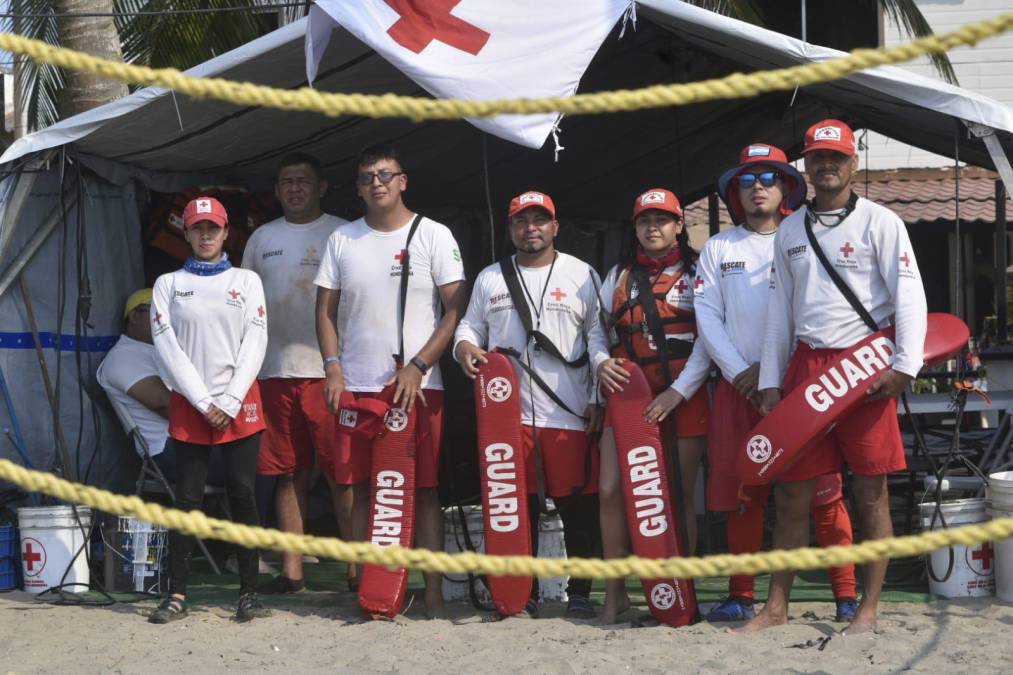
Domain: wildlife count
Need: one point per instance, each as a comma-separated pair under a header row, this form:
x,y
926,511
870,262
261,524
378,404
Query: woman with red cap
x,y
662,259
209,328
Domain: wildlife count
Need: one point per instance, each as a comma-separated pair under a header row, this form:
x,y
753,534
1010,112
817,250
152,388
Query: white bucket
x,y
1003,559
51,536
550,545
973,571
1000,490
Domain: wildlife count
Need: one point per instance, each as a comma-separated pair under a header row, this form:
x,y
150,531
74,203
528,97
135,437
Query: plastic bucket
x,y
53,540
1000,490
10,563
136,555
960,571
1003,559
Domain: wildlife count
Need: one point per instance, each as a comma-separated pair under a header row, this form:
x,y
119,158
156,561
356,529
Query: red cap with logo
x,y
657,198
531,199
830,135
205,208
360,417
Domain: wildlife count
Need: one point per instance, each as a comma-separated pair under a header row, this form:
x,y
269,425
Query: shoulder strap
x,y
538,380
649,306
403,292
842,285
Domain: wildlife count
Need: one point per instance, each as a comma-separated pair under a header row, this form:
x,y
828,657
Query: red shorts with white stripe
x,y
867,439
570,461
298,422
352,455
187,424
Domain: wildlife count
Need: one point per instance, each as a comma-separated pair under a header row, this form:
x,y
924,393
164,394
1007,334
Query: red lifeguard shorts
x,y
564,461
352,455
187,424
867,439
298,422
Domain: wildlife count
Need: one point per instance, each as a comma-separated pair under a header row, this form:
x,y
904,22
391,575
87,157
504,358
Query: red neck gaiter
x,y
655,265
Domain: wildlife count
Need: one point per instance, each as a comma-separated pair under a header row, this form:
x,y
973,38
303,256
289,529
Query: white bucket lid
x,y
1002,480
956,511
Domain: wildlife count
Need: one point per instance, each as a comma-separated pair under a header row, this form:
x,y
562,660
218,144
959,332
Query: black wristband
x,y
420,364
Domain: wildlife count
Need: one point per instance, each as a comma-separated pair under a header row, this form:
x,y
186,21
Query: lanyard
x,y
541,300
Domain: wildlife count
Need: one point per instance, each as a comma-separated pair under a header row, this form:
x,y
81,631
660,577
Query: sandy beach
x,y
324,634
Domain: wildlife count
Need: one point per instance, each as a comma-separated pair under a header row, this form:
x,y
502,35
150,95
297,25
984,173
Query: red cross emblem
x,y
847,249
984,555
400,256
234,293
558,294
158,318
31,557
681,286
423,21
698,283
260,311
906,260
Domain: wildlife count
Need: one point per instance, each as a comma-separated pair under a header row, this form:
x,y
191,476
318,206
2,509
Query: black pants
x,y
581,535
240,458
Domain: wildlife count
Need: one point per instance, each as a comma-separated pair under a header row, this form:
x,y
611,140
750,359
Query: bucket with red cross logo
x,y
53,540
959,571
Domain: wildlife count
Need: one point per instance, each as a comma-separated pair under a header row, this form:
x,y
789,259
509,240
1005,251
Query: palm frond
x,y
905,13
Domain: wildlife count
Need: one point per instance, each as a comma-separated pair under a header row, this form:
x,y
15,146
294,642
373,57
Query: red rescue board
x,y
391,510
654,529
502,476
811,409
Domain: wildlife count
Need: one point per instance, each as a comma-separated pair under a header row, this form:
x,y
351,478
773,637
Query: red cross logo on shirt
x,y
234,293
984,555
158,318
681,286
698,283
558,294
423,21
31,557
260,311
906,260
400,256
847,249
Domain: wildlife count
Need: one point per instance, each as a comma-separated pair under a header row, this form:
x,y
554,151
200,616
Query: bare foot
x,y
761,621
434,605
612,609
864,622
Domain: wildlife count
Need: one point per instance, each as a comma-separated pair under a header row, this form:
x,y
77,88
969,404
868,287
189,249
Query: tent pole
x,y
54,218
26,181
1001,262
713,215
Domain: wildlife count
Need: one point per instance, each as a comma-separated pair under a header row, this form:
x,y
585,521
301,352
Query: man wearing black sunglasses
x,y
735,266
361,322
842,266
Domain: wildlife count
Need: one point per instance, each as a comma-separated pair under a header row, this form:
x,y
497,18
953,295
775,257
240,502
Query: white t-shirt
x,y
126,364
569,317
210,334
694,374
364,264
731,304
872,253
286,256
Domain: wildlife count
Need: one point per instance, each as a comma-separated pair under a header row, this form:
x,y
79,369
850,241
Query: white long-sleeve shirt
x,y
694,373
210,335
872,253
569,317
731,304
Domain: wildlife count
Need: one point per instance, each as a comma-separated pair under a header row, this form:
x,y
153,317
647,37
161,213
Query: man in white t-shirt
x,y
286,254
868,247
358,318
557,420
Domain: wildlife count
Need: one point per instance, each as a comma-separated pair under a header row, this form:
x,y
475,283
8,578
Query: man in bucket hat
x,y
735,265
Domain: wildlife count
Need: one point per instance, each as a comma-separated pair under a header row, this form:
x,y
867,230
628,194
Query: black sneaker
x,y
170,610
250,608
282,584
579,607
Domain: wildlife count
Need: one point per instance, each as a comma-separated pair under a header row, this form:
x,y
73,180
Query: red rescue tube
x,y
654,529
502,476
391,510
809,411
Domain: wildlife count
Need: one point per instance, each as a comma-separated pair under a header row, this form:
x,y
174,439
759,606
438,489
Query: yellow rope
x,y
738,85
198,524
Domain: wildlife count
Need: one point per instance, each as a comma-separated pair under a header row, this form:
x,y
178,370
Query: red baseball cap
x,y
531,199
830,135
767,155
362,417
657,198
205,208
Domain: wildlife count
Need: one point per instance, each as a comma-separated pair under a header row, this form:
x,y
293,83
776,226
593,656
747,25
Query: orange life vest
x,y
636,341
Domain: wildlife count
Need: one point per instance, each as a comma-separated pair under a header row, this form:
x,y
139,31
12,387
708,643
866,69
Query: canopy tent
x,y
158,140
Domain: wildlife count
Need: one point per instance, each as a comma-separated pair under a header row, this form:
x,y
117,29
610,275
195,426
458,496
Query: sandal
x,y
170,610
579,607
250,608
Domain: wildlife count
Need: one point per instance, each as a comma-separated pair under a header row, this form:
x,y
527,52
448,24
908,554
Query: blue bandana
x,y
206,269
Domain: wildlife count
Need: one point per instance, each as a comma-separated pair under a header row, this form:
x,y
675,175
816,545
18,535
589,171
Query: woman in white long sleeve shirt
x,y
209,327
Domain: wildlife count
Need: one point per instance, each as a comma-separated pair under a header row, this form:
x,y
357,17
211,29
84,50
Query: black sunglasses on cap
x,y
766,178
385,176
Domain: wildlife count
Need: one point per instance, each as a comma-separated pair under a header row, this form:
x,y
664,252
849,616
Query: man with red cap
x,y
732,301
866,249
558,414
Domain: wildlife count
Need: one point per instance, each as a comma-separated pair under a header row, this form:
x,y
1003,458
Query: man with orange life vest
x,y
867,268
663,261
209,326
732,301
558,414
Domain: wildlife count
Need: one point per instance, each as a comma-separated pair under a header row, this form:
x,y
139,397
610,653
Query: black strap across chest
x,y
403,291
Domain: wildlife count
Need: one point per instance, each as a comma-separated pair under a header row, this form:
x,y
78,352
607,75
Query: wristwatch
x,y
331,359
420,364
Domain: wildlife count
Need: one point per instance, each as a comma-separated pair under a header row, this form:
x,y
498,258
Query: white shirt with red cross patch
x,y
569,317
210,335
694,374
872,253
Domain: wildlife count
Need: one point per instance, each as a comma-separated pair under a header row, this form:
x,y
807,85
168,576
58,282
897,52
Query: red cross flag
x,y
478,49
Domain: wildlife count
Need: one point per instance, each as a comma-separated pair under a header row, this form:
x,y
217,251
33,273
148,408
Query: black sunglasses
x,y
766,178
385,176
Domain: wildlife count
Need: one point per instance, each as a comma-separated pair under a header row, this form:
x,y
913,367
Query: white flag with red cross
x,y
478,49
